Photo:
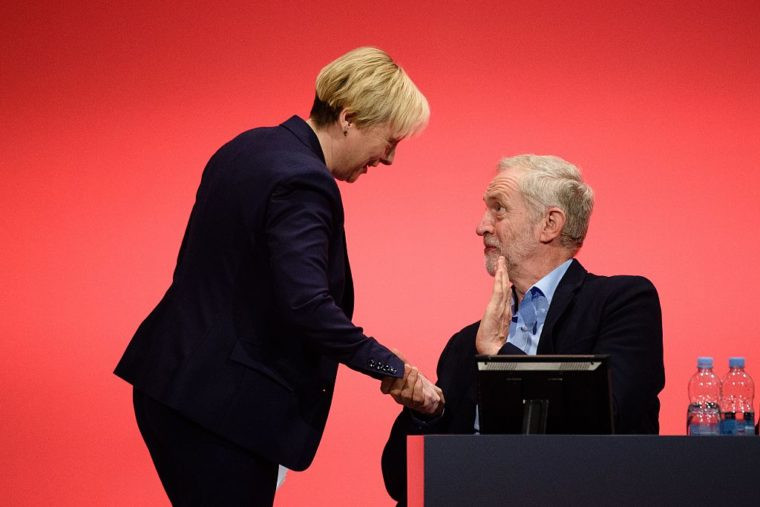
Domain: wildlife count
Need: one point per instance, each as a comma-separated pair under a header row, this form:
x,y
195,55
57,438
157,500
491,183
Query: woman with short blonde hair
x,y
234,370
368,83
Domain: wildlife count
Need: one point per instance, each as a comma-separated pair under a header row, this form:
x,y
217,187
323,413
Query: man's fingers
x,y
418,394
501,268
498,283
433,397
501,276
502,279
503,262
505,303
439,391
501,293
408,389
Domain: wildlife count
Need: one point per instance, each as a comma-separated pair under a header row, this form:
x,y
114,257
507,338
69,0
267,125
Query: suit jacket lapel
x,y
562,297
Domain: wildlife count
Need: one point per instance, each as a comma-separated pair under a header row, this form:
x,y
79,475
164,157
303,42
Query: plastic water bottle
x,y
703,416
737,414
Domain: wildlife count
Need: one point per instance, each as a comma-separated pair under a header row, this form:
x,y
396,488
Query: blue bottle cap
x,y
736,362
704,362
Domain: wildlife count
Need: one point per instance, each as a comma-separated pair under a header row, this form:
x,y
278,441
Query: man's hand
x,y
494,325
414,390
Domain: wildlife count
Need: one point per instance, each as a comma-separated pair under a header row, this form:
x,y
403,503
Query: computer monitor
x,y
544,394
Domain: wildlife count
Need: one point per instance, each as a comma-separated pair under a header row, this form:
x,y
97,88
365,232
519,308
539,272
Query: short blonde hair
x,y
370,85
552,181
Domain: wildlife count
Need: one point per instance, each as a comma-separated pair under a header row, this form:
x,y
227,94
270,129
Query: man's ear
x,y
552,224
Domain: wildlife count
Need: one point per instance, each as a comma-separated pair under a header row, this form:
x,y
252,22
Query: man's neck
x,y
539,266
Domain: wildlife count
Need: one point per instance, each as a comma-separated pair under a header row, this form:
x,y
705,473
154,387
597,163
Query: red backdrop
x,y
109,115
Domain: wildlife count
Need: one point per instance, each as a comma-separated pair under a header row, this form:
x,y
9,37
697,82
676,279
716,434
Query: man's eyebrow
x,y
490,193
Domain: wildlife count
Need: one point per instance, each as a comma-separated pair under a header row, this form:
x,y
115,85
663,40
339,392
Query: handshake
x,y
414,390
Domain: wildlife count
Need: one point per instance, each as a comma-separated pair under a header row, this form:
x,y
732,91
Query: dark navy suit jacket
x,y
589,314
247,339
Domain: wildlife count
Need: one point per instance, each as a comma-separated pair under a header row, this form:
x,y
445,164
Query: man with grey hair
x,y
544,302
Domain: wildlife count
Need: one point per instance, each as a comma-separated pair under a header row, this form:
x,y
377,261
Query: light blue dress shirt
x,y
525,333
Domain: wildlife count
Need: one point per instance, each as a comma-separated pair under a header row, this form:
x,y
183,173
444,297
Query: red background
x,y
110,113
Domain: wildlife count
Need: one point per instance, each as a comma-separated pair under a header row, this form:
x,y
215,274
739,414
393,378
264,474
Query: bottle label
x,y
728,423
703,419
699,430
749,423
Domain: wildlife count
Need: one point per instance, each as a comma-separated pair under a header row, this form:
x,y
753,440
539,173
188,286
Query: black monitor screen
x,y
544,394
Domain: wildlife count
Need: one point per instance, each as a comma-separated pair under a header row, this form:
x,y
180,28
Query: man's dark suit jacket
x,y
589,314
247,339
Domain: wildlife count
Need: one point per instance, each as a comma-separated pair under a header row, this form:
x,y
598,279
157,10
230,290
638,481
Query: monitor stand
x,y
535,415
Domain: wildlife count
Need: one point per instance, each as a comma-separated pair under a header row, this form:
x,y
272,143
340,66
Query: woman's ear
x,y
346,118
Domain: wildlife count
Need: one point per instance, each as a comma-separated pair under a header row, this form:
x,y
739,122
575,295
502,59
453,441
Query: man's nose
x,y
484,226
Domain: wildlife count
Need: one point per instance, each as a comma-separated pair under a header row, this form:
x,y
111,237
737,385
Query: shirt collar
x,y
548,284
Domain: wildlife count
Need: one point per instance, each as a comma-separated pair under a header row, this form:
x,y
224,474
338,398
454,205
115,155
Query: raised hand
x,y
494,325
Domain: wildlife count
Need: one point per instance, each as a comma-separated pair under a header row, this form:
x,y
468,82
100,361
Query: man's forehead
x,y
502,184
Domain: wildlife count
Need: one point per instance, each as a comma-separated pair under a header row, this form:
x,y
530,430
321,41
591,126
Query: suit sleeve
x,y
300,221
631,332
456,378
